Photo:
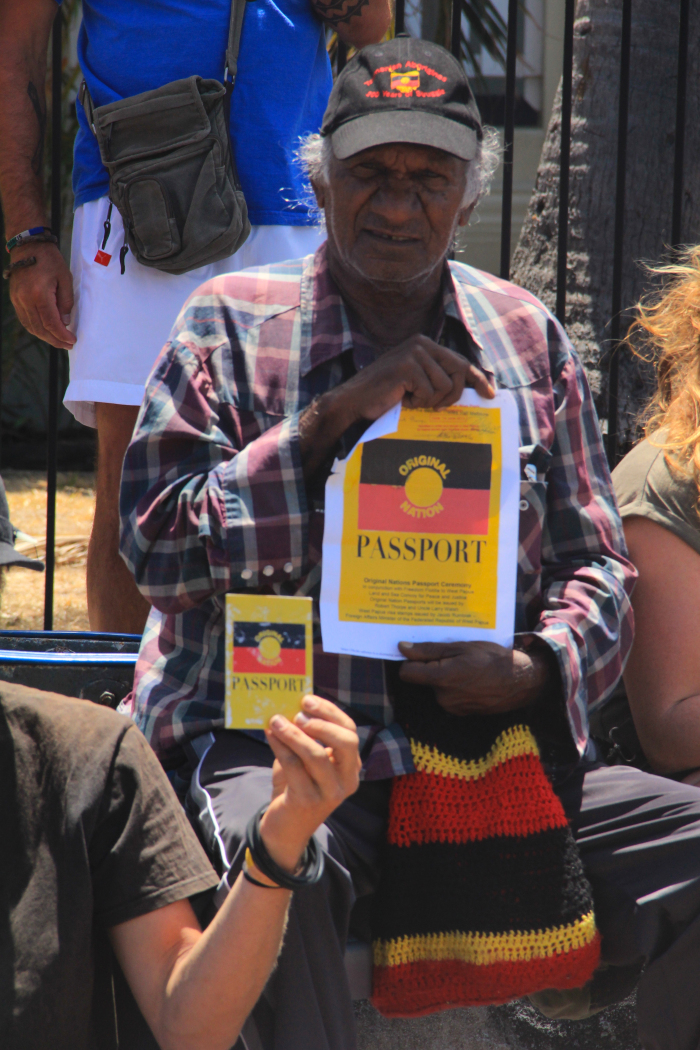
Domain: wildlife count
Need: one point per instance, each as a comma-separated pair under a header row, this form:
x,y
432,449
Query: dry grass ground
x,y
23,596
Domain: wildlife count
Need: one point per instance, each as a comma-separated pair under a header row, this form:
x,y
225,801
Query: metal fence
x,y
506,214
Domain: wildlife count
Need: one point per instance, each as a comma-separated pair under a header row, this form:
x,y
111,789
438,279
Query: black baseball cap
x,y
8,555
403,90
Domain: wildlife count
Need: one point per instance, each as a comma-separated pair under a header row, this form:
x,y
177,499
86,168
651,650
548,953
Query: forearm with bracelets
x,y
25,26
40,281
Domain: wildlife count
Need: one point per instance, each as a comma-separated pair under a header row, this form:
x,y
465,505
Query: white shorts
x,y
123,321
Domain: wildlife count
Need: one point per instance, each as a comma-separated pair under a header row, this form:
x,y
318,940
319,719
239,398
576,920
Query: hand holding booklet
x,y
421,530
269,661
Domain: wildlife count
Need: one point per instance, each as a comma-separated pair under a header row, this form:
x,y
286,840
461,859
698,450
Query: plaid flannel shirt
x,y
214,499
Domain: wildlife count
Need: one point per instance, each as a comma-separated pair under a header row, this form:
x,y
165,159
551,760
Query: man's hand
x,y
476,678
418,372
317,766
42,295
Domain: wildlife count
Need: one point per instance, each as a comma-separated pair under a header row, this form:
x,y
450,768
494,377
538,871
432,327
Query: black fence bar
x,y
564,160
508,137
679,157
399,16
456,29
619,236
52,433
5,259
342,56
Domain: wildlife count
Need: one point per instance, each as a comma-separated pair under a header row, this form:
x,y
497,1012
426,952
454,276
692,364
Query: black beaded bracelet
x,y
256,882
311,864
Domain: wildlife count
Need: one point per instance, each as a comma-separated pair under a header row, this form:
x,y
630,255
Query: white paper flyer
x,y
421,530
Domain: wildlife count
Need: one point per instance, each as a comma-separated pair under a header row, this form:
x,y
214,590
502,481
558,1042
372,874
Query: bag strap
x,y
86,103
235,28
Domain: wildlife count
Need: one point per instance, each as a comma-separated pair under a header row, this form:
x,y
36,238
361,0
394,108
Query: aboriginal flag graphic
x,y
279,648
425,486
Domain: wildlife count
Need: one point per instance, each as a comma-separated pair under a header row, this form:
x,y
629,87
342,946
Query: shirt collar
x,y
456,304
326,327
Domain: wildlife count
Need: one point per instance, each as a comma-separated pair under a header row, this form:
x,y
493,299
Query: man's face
x,y
392,210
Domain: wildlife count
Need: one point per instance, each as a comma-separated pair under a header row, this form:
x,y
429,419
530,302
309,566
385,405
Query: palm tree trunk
x,y
649,183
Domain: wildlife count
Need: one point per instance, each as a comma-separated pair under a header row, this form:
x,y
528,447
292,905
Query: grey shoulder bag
x,y
172,174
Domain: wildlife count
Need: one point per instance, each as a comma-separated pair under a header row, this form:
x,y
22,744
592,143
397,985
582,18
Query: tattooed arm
x,y
358,22
41,294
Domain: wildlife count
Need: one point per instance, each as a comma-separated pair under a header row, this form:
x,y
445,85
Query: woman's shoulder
x,y
632,474
647,485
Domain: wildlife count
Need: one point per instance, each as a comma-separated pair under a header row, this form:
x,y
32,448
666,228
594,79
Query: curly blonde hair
x,y
666,331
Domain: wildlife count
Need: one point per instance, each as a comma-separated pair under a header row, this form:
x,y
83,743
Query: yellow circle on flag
x,y
423,487
269,648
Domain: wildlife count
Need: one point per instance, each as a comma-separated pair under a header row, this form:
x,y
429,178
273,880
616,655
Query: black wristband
x,y
256,882
311,865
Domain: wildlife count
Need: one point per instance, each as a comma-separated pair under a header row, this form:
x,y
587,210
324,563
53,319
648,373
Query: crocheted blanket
x,y
483,898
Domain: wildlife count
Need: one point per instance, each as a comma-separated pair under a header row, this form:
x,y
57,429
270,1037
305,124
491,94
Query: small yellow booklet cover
x,y
269,658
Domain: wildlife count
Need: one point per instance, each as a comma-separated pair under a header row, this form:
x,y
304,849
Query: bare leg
x,y
114,602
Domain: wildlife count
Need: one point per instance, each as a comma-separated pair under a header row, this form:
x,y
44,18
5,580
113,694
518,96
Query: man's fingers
x,y
284,754
317,707
334,779
441,381
293,770
456,365
455,392
429,663
471,375
278,777
64,296
313,755
431,650
476,378
419,389
51,320
36,326
342,742
422,674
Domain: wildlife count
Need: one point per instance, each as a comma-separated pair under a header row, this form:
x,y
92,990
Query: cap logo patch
x,y
404,82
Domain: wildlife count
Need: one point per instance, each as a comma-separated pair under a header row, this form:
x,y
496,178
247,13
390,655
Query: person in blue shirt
x,y
114,324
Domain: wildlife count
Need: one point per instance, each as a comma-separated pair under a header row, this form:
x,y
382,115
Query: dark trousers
x,y
639,838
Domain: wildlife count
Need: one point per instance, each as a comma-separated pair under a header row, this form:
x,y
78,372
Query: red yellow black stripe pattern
x,y
483,896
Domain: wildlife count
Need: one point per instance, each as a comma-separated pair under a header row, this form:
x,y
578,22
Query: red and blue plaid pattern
x,y
214,500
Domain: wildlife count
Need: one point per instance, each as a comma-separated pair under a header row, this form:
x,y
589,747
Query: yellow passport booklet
x,y
269,658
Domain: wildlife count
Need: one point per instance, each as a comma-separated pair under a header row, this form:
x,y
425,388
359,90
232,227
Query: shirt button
x,y
247,573
524,504
288,566
268,570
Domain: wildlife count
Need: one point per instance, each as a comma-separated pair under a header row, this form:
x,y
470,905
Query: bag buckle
x,y
86,103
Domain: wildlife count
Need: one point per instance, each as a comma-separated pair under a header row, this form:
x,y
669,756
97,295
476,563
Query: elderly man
x,y
271,373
